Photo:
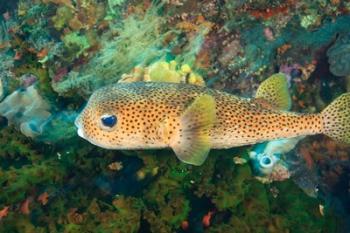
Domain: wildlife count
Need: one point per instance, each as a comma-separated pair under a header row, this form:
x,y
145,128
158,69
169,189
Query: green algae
x,y
76,43
164,203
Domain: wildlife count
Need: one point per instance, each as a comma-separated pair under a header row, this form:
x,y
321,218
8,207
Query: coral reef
x,y
55,53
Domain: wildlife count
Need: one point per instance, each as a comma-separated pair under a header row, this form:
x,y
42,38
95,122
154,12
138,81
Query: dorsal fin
x,y
193,142
274,90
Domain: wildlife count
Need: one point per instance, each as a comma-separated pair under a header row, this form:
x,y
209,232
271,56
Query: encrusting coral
x,y
162,71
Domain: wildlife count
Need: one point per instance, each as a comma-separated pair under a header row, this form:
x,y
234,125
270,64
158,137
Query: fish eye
x,y
108,120
266,161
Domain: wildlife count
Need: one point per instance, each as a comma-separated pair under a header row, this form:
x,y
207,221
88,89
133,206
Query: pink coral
x,y
28,79
287,70
60,73
268,33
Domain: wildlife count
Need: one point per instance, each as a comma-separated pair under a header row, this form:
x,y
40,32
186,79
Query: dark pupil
x,y
109,121
266,161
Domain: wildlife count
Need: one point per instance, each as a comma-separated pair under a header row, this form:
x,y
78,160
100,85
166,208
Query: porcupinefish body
x,y
192,119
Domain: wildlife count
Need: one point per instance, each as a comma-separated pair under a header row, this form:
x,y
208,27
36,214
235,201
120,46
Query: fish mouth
x,y
81,132
77,124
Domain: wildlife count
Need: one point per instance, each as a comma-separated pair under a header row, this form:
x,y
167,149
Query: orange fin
x,y
193,143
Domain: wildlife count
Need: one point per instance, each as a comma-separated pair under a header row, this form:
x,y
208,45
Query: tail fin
x,y
336,119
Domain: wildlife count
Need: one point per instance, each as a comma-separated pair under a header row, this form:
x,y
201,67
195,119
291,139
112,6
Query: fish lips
x,y
80,130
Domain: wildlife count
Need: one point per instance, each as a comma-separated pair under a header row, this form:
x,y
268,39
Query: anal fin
x,y
192,145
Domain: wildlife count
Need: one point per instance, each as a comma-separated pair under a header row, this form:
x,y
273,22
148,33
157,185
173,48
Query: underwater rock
x,y
27,109
339,56
305,177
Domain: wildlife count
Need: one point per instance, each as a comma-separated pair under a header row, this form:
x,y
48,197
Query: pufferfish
x,y
193,119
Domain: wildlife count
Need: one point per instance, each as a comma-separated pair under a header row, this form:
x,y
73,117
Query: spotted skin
x,y
149,116
336,119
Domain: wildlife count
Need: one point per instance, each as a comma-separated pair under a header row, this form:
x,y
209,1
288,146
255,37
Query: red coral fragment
x,y
43,198
25,206
269,12
185,225
207,218
4,212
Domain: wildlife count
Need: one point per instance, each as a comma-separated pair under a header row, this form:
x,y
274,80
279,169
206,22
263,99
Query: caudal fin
x,y
336,119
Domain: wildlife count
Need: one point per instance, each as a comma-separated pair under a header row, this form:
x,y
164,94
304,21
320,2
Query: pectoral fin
x,y
192,145
274,90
